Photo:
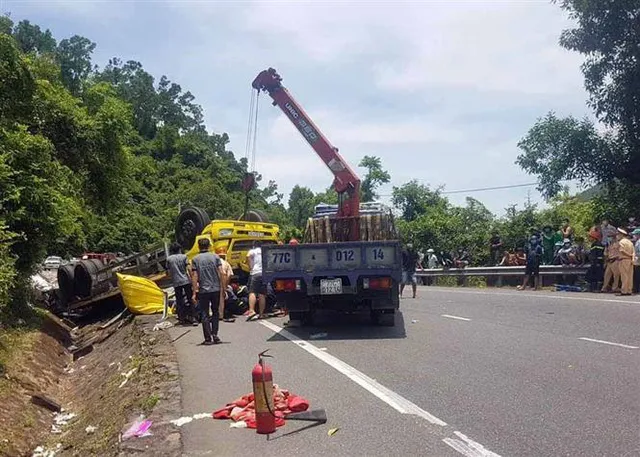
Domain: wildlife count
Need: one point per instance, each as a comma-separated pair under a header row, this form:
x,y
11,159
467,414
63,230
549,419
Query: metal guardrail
x,y
545,270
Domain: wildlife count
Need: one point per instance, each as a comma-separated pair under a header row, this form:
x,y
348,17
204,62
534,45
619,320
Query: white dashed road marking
x,y
461,443
610,343
456,317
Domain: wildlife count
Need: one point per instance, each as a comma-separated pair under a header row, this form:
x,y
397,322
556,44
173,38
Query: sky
x,y
441,91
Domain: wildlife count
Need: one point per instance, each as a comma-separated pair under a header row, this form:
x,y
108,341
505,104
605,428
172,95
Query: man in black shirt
x,y
409,262
495,248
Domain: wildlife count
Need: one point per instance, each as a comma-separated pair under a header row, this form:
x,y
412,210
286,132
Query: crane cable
x,y
252,132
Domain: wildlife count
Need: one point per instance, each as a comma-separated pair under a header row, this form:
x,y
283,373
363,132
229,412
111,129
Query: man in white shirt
x,y
257,290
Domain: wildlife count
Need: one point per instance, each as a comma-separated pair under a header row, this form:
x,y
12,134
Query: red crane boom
x,y
346,182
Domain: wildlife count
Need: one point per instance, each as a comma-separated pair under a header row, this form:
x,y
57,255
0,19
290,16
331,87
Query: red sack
x,y
297,404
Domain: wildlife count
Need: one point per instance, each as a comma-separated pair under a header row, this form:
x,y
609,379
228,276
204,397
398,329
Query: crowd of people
x,y
205,294
613,255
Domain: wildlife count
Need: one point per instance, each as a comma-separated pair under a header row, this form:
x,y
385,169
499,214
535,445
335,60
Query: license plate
x,y
330,286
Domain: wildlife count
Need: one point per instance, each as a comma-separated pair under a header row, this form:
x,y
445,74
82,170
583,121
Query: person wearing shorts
x,y
409,263
257,289
532,268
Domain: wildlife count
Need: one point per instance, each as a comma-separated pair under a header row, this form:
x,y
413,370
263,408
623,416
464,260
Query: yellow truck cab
x,y
237,238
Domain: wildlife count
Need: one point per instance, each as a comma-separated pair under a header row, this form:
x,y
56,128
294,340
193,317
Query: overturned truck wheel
x,y
190,223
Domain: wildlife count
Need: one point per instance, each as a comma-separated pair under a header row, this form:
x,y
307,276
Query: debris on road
x,y
90,429
332,431
243,409
187,419
317,336
162,325
60,420
41,451
127,375
139,428
414,321
241,424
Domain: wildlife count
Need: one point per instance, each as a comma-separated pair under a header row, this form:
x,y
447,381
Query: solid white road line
x,y
455,317
610,343
466,447
524,294
399,403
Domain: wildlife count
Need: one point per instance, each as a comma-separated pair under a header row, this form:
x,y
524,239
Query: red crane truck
x,y
354,262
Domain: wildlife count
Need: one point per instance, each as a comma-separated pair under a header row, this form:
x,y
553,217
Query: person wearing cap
x,y
611,271
636,261
225,282
564,253
625,262
432,259
207,271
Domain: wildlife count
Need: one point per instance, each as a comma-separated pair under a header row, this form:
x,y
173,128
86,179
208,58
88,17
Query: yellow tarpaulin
x,y
141,295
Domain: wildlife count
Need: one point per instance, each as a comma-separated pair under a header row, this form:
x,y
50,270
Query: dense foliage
x,y
99,159
607,34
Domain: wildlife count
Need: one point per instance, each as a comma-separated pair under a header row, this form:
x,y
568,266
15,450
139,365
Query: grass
x,y
13,343
147,404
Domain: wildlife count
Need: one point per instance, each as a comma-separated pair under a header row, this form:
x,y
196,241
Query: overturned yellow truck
x,y
236,237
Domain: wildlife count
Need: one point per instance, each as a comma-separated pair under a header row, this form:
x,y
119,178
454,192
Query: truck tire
x,y
255,215
304,317
383,318
190,223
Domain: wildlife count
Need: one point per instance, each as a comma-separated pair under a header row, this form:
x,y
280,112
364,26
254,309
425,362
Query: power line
x,y
479,189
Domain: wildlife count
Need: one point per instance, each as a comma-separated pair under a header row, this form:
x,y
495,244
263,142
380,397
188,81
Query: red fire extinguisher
x,y
263,395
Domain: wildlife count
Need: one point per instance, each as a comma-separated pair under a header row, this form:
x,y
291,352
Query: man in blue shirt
x,y
534,256
207,271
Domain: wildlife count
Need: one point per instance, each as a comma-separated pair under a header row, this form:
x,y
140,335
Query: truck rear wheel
x,y
383,318
190,223
304,317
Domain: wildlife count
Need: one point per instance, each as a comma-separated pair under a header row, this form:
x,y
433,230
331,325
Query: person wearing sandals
x,y
257,289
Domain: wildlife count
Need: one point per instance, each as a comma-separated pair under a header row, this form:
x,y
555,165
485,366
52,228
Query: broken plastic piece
x,y
239,424
127,375
414,321
332,431
162,325
139,428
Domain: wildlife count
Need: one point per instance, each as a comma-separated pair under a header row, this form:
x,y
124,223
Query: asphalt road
x,y
464,372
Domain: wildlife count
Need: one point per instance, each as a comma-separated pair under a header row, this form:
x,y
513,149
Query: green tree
x,y
607,35
413,199
301,206
74,56
32,39
375,177
6,25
